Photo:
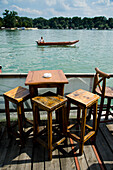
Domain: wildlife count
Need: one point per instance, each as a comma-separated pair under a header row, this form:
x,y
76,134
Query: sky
x,y
56,8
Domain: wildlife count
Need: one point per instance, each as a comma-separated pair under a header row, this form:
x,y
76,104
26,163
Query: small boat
x,y
57,43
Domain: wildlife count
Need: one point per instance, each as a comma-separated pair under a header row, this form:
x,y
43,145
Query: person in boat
x,y
0,69
41,40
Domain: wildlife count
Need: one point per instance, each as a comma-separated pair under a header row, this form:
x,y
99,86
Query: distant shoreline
x,y
21,28
24,28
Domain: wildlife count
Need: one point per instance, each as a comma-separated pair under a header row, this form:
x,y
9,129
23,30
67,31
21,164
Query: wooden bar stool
x,y
105,92
83,99
17,95
48,103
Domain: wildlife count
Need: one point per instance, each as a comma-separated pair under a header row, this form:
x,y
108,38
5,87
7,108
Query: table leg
x,y
33,91
60,90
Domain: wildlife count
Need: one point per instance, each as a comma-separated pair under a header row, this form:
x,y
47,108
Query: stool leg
x,y
50,135
83,123
78,114
19,109
35,120
89,115
95,120
108,108
64,123
100,112
68,111
23,115
7,116
63,119
95,116
78,117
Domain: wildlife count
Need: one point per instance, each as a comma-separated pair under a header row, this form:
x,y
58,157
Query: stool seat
x,y
84,100
17,95
49,104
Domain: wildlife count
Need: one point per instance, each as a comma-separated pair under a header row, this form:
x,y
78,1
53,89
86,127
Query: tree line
x,y
11,20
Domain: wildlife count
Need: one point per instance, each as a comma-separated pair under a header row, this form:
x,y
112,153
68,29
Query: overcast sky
x,y
52,8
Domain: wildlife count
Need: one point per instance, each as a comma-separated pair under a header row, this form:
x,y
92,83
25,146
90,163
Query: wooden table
x,y
35,80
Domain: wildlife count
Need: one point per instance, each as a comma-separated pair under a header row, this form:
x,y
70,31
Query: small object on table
x,y
47,75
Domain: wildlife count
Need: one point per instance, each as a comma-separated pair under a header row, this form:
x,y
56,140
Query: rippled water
x,y
20,53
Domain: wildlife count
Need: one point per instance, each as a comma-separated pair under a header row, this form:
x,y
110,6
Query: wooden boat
x,y
57,43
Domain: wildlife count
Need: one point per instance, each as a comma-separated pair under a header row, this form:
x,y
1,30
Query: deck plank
x,y
38,157
25,156
82,162
107,131
104,150
91,157
54,163
11,153
3,151
67,155
13,157
110,127
4,144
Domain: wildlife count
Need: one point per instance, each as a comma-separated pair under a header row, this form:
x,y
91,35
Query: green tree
x,y
18,21
99,22
87,23
110,22
53,23
26,22
40,22
1,22
77,22
9,18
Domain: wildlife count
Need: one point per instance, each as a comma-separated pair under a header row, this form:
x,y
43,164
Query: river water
x,y
19,52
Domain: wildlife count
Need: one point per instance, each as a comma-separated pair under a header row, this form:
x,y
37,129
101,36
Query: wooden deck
x,y
100,156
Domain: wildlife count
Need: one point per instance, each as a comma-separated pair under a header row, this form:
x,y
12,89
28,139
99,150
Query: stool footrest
x,y
73,136
88,135
29,121
42,132
70,126
58,143
39,140
89,127
42,142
